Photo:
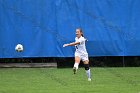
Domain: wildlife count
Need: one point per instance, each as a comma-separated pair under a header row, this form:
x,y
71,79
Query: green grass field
x,y
45,80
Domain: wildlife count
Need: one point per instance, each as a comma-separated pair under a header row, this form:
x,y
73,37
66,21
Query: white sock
x,y
88,73
76,65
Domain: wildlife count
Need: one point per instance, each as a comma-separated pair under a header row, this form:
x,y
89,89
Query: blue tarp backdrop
x,y
112,27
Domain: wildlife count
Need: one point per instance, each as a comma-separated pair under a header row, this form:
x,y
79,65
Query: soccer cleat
x,y
89,79
74,70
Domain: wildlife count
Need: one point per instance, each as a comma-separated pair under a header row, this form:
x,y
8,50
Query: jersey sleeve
x,y
75,39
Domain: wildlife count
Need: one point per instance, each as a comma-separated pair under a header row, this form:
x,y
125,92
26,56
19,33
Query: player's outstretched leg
x,y
76,64
75,68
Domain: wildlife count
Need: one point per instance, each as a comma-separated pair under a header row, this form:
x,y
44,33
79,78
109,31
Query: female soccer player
x,y
80,53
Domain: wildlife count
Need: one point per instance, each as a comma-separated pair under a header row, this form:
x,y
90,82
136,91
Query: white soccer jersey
x,y
80,48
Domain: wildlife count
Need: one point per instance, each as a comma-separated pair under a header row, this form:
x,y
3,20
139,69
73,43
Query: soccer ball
x,y
19,48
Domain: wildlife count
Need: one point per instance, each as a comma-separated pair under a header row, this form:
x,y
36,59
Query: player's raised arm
x,y
71,44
